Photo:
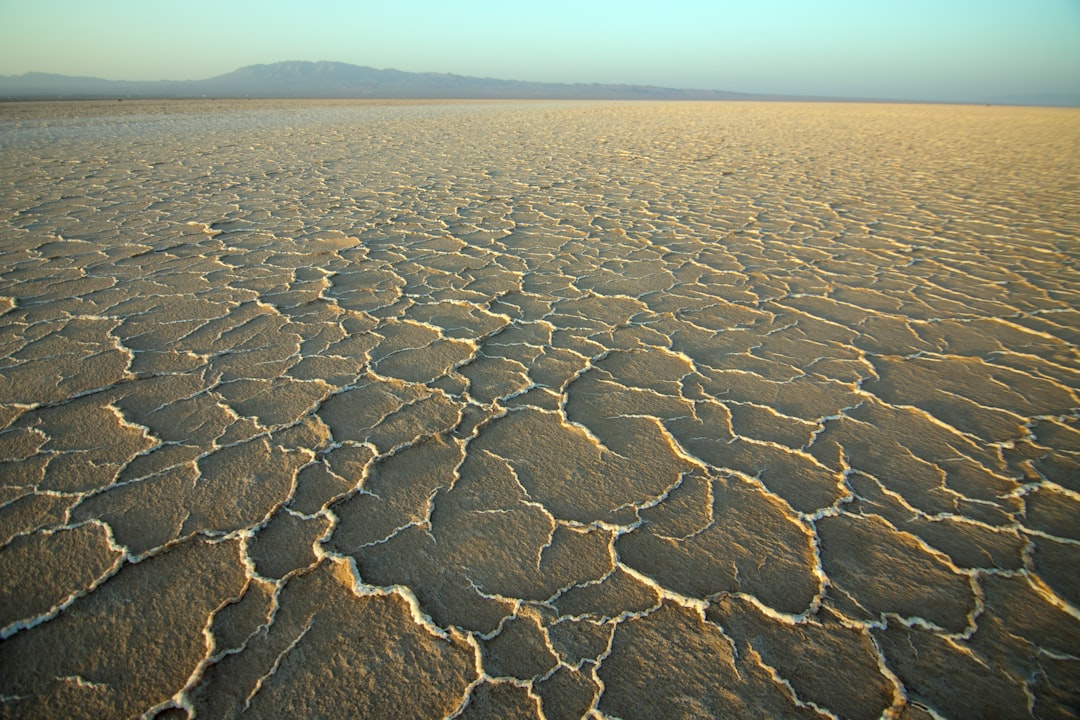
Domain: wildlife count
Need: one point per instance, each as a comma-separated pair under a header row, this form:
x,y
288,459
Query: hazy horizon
x,y
953,51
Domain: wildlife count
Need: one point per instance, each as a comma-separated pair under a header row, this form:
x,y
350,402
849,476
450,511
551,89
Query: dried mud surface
x,y
539,410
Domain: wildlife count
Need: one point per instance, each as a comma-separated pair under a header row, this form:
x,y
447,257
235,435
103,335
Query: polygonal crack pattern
x,y
539,410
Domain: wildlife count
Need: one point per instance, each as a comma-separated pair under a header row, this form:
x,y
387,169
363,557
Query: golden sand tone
x,y
539,410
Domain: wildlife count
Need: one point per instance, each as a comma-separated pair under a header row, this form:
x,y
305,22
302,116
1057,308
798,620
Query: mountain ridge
x,y
328,79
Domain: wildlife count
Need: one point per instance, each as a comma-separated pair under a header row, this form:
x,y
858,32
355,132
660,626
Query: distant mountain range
x,y
336,80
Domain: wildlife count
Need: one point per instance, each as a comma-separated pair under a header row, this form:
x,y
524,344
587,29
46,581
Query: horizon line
x,y
1060,100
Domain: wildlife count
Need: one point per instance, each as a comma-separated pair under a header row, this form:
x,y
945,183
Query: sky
x,y
937,50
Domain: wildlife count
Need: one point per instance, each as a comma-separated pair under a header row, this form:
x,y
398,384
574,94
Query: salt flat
x,y
539,410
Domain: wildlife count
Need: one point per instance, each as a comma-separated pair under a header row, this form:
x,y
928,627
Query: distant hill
x,y
336,80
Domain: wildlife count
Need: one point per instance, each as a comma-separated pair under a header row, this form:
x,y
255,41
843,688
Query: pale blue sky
x,y
910,49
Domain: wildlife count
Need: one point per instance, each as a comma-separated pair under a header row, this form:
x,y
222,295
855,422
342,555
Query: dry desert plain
x,y
562,410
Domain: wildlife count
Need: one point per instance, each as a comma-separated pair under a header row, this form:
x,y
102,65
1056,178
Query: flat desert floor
x,y
560,410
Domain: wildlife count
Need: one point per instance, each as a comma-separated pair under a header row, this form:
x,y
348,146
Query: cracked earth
x,y
540,410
